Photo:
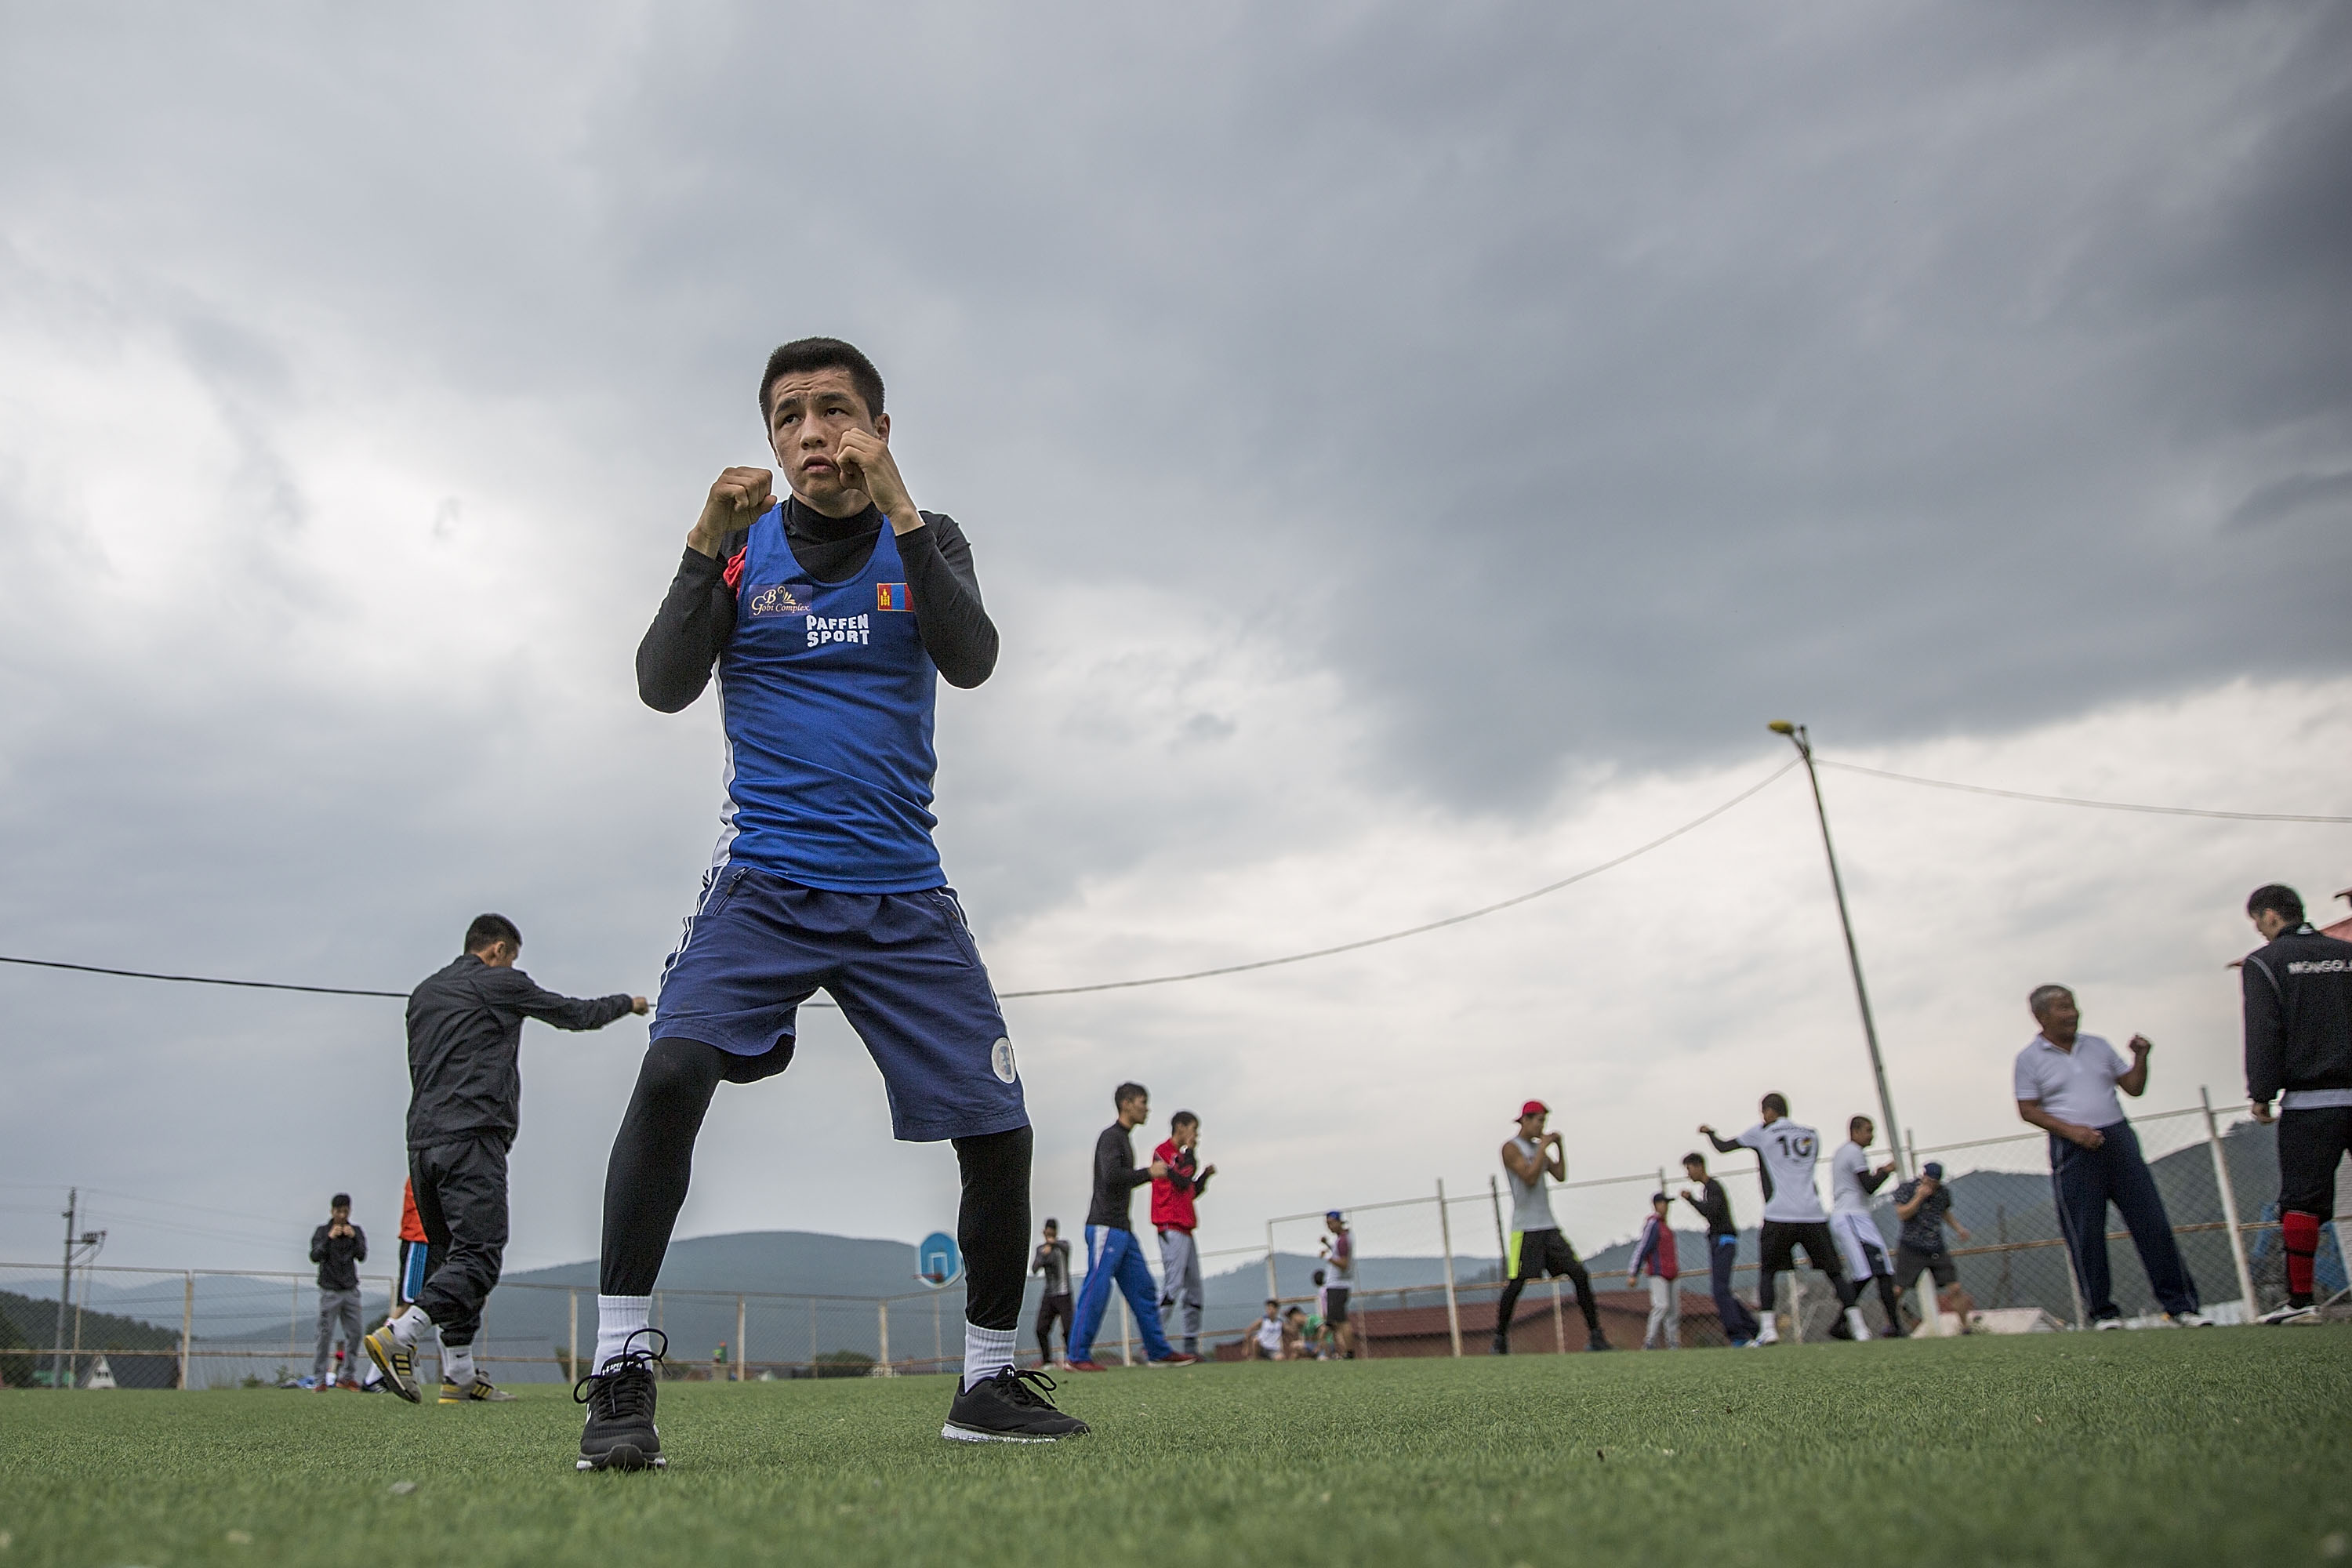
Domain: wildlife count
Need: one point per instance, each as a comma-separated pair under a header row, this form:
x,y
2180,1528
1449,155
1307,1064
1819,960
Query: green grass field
x,y
2208,1446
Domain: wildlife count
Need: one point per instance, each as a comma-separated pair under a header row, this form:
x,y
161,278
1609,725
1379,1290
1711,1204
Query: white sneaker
x,y
1853,1321
2306,1313
2189,1321
1767,1335
2104,1324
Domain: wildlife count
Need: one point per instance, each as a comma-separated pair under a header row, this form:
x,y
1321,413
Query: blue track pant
x,y
1117,1256
2086,1181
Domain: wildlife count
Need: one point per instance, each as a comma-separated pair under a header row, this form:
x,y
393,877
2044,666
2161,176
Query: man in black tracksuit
x,y
2298,998
464,1040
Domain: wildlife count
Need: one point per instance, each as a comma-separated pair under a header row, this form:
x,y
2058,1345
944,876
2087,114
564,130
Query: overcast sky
x,y
1408,453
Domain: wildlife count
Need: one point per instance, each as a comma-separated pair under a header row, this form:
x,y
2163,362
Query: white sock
x,y
457,1364
1853,1321
618,1317
409,1327
986,1351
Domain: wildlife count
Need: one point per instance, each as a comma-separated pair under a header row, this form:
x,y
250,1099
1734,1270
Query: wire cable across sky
x,y
2092,805
1425,927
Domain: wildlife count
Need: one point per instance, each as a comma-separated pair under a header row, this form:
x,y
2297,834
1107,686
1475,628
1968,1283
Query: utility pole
x,y
65,1291
1799,738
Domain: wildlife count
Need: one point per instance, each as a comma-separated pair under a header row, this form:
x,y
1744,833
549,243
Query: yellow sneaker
x,y
393,1358
474,1393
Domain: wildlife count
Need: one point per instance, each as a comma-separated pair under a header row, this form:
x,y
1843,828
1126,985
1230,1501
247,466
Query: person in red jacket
x,y
410,1279
1656,1255
1171,1214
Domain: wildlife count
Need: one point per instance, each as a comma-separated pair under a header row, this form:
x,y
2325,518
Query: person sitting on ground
x,y
1265,1339
1294,1333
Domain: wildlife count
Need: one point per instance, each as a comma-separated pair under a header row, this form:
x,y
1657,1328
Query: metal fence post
x,y
187,1323
882,1312
2228,1206
1445,1236
1126,1330
741,1355
571,1339
1271,1289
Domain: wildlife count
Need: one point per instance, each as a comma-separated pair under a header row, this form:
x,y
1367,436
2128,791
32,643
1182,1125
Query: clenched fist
x,y
737,498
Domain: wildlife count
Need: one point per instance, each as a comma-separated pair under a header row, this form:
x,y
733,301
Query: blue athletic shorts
x,y
903,966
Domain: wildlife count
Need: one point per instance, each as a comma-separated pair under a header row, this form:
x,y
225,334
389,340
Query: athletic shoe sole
x,y
391,1379
623,1457
955,1433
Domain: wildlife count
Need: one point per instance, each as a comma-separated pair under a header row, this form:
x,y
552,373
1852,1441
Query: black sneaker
x,y
619,1434
1597,1344
1010,1408
1500,1346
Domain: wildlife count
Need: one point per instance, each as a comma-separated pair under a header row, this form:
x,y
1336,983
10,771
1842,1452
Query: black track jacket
x,y
465,1035
1116,1179
339,1257
2298,991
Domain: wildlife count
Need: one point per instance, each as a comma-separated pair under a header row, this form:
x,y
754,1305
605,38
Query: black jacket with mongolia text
x,y
2298,994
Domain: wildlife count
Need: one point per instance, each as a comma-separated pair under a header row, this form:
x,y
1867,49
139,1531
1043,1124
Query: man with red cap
x,y
1537,1246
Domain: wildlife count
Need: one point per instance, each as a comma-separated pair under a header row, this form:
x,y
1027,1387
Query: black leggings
x,y
653,1161
1548,1252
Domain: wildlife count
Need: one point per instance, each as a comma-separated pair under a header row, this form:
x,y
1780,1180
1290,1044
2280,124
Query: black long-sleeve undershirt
x,y
1714,1205
698,615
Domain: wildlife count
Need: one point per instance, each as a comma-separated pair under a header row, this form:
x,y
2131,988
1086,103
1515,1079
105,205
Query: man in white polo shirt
x,y
2066,1083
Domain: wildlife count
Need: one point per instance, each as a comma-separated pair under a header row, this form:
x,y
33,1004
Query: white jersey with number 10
x,y
1787,1153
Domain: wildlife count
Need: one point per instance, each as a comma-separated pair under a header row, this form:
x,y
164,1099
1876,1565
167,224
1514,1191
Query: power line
x,y
203,979
1696,822
1590,871
2095,805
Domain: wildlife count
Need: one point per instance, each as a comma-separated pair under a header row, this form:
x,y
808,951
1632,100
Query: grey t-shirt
x,y
1924,1231
1531,1205
1052,1259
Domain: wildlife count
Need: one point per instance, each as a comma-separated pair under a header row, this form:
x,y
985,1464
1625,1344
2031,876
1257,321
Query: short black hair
x,y
1183,1119
339,1200
804,354
487,929
1696,1158
1053,1225
1854,1121
2277,897
1777,1104
1128,1091
1318,1276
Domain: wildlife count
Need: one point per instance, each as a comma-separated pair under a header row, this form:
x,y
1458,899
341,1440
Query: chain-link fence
x,y
1429,1274
148,1328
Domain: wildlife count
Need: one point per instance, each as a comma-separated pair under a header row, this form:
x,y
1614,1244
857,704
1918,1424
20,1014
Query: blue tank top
x,y
827,695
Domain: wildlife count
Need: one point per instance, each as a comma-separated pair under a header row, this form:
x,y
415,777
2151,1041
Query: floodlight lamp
x,y
1781,727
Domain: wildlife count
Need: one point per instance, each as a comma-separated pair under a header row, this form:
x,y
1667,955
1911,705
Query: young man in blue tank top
x,y
829,617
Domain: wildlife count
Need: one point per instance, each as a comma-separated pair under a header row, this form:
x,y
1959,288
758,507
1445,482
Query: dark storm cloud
x,y
1561,386
1580,386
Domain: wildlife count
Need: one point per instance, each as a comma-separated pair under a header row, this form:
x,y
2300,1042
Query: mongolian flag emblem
x,y
890,596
